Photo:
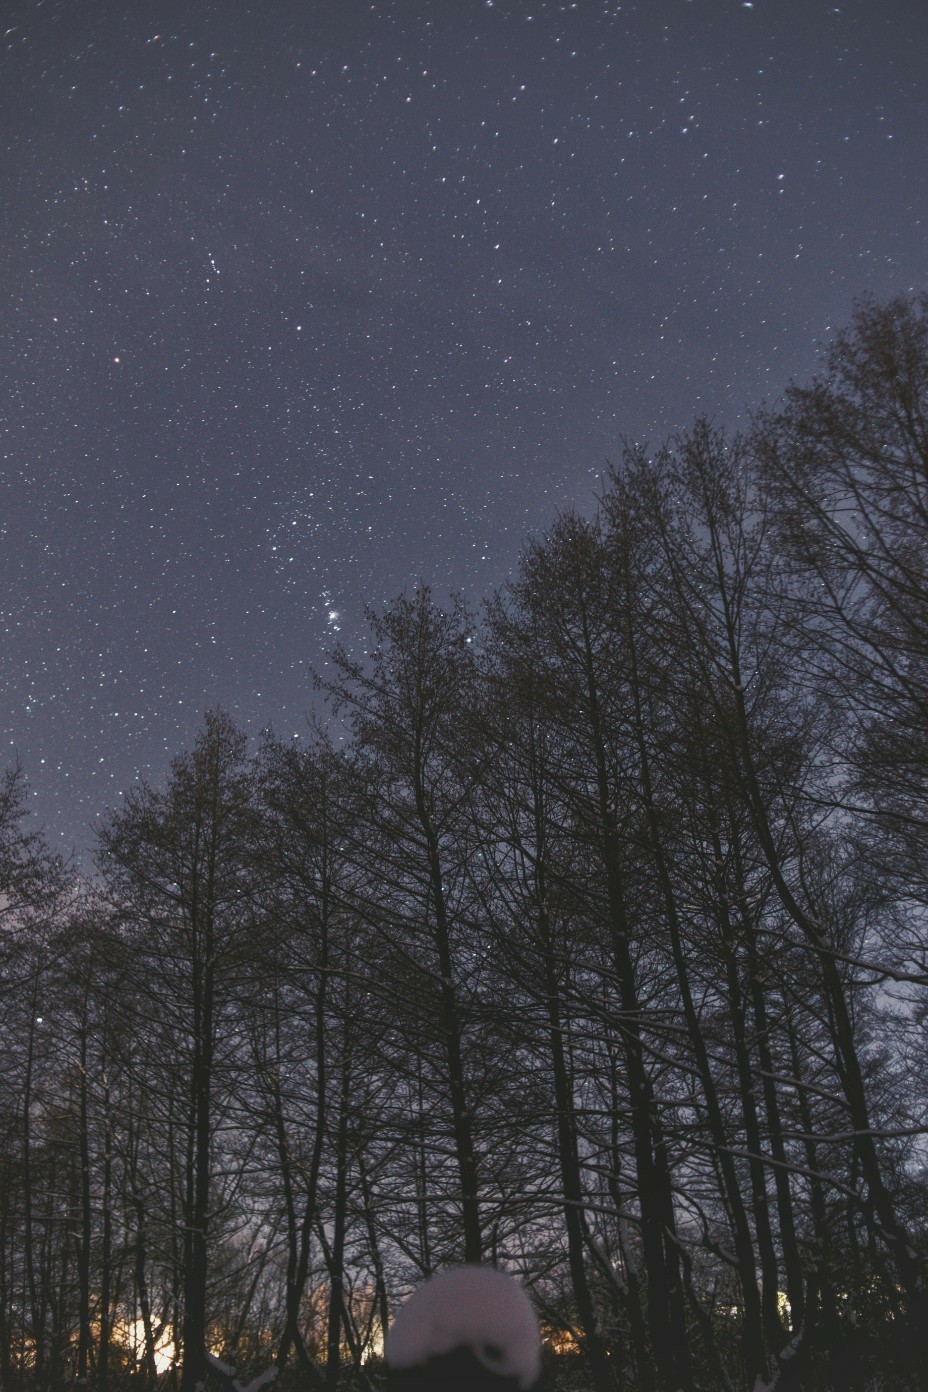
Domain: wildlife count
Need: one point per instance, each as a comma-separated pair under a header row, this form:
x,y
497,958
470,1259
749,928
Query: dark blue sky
x,y
304,303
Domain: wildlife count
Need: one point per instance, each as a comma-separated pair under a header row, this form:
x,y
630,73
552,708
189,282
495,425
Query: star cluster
x,y
306,303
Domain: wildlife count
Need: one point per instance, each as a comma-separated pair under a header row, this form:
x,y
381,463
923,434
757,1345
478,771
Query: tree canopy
x,y
596,948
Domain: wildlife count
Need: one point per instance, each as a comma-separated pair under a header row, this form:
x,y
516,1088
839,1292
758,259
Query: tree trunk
x,y
196,1247
568,1159
666,1311
465,1153
106,1237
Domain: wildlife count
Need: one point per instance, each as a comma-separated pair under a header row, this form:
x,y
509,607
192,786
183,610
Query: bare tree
x,y
174,863
403,704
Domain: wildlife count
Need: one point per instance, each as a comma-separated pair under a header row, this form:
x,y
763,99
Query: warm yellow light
x,y
132,1332
559,1340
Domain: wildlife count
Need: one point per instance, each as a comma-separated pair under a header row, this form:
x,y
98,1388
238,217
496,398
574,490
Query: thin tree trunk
x,y
6,1277
106,1243
36,1311
792,1260
198,1171
820,1280
666,1310
421,1169
639,1334
299,1240
336,1261
593,1345
370,1222
82,1361
140,1254
465,1153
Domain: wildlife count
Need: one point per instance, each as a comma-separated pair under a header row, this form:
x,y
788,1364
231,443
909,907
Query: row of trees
x,y
594,946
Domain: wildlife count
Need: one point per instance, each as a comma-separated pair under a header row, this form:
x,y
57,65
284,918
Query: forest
x,y
584,935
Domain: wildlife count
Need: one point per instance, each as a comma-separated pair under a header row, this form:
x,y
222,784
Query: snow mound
x,y
474,1307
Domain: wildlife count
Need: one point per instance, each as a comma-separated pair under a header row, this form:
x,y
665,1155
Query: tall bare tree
x,y
175,864
403,703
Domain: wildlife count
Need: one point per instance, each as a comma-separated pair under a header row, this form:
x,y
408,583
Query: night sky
x,y
304,303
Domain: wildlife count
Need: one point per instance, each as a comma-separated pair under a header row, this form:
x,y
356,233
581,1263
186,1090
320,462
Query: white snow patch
x,y
225,1369
228,1372
478,1307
